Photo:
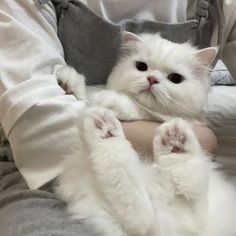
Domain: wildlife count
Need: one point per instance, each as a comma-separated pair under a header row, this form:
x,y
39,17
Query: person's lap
x,y
32,212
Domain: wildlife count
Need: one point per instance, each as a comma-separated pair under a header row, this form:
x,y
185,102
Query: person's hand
x,y
141,134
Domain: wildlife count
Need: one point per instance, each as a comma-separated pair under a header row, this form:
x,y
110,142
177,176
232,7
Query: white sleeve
x,y
39,120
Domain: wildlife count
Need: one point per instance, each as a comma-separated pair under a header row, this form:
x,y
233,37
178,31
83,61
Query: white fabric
x,y
220,75
40,121
221,116
169,10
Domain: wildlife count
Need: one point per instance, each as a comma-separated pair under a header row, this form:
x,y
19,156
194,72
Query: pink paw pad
x,y
65,87
98,124
106,126
175,140
109,135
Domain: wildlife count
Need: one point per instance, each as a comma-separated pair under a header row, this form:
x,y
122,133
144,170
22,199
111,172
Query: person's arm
x,y
38,119
141,134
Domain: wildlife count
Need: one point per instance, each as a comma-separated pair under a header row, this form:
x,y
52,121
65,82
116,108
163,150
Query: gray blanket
x,y
25,212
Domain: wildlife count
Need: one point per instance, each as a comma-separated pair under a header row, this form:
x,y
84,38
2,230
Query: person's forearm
x,y
206,138
141,134
43,136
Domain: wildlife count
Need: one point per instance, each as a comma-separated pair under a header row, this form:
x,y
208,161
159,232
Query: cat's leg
x,y
76,187
72,82
95,215
117,170
185,173
176,150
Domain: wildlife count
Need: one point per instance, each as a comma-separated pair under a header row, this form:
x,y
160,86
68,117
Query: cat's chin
x,y
146,98
147,90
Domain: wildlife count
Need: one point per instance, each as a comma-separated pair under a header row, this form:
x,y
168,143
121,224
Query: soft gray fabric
x,y
91,44
32,212
25,212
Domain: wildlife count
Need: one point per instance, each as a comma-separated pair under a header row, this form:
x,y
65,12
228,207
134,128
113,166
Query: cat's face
x,y
169,78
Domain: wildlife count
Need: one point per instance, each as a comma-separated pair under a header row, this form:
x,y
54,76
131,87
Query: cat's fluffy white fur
x,y
177,193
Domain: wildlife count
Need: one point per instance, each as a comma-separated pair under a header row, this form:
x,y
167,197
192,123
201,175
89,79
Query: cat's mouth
x,y
148,89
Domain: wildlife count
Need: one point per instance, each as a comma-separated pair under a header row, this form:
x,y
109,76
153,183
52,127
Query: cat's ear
x,y
129,38
207,55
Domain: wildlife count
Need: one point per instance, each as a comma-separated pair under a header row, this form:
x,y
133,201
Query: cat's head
x,y
169,78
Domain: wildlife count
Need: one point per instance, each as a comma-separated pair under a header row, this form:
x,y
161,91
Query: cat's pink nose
x,y
152,80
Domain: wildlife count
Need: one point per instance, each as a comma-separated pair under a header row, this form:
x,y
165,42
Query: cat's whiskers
x,y
138,86
162,96
162,99
181,105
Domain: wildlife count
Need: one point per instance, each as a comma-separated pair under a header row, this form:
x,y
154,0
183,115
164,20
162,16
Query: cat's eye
x,y
175,78
141,66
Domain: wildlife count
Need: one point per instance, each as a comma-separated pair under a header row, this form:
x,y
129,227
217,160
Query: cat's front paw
x,y
99,124
72,82
175,136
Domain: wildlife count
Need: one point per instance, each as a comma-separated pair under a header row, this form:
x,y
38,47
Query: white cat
x,y
178,193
